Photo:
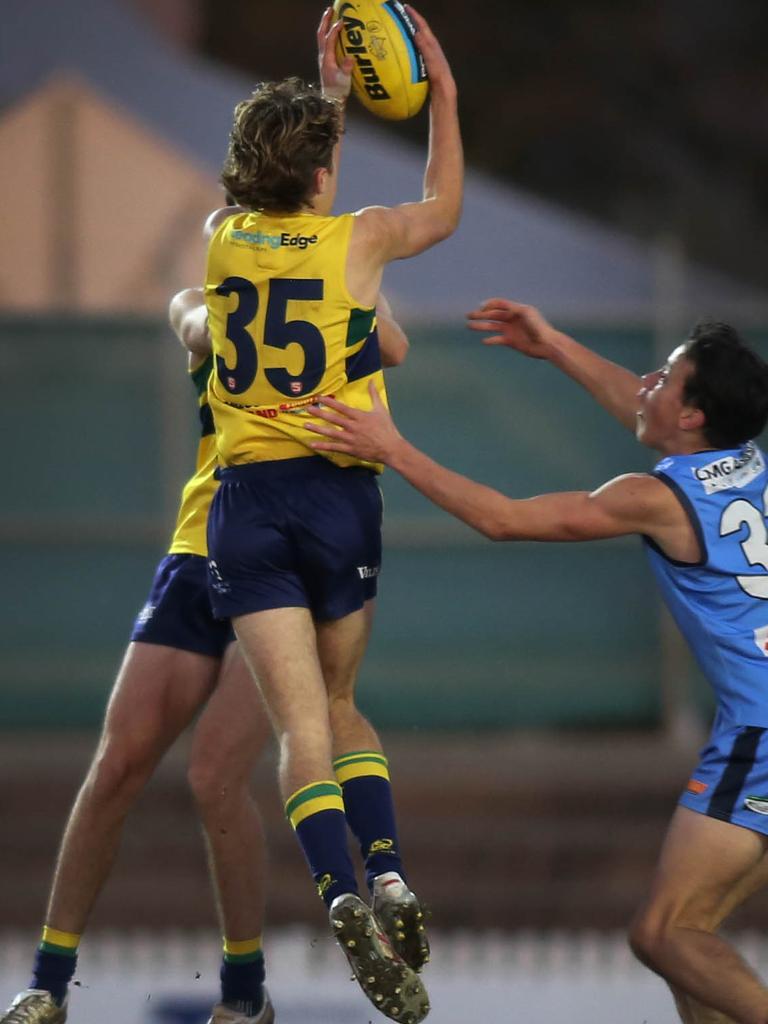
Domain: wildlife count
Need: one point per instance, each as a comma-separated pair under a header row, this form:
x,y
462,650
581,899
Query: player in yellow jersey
x,y
294,538
180,660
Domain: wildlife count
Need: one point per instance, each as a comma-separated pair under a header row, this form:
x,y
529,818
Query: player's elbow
x,y
454,217
446,224
444,218
194,336
447,213
517,526
504,533
189,320
497,534
176,311
495,528
395,353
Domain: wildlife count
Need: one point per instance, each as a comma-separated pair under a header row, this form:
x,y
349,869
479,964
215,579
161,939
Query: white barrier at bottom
x,y
531,978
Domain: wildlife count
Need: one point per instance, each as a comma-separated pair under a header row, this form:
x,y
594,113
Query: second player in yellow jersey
x,y
192,519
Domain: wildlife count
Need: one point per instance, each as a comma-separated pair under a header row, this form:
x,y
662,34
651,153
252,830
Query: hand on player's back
x,y
514,325
335,78
368,435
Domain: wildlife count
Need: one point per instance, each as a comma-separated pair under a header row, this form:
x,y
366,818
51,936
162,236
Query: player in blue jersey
x,y
702,514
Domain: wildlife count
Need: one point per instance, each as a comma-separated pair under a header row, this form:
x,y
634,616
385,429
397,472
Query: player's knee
x,y
645,939
119,771
342,707
657,930
212,782
649,936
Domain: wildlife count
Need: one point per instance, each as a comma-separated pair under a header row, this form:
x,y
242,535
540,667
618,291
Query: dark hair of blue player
x,y
281,135
729,383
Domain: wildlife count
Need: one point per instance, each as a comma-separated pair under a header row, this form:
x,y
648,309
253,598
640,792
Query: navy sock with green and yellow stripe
x,y
370,809
316,812
55,962
242,976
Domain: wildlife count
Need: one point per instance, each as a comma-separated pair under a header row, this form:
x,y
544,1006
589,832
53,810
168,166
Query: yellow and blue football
x,y
389,77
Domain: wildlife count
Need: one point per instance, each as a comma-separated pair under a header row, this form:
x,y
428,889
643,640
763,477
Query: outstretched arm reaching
x,y
382,234
634,503
523,328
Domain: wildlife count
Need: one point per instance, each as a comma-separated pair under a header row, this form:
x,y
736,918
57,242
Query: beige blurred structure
x,y
96,207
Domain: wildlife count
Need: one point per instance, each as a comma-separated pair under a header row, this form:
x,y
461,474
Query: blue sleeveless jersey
x,y
721,603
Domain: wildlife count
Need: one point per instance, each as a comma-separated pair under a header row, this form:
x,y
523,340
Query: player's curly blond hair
x,y
281,135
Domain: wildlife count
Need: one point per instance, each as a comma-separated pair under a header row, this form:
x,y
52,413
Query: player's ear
x,y
692,418
320,180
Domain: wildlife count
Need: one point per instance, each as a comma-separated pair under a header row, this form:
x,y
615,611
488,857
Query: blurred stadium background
x,y
540,712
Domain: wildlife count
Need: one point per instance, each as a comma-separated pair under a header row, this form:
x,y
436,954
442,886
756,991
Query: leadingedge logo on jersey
x,y
354,46
262,240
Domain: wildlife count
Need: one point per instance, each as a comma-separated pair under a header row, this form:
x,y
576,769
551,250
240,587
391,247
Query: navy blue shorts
x,y
731,779
178,610
297,533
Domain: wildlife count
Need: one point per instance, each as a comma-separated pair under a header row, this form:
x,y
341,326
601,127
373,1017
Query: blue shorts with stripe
x,y
731,779
294,533
178,610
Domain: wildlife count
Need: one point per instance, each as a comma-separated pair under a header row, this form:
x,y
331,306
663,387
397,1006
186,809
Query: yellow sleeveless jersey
x,y
284,330
189,536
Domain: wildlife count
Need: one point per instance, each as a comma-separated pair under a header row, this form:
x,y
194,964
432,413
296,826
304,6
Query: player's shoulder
x,y
371,218
641,498
216,219
375,227
637,483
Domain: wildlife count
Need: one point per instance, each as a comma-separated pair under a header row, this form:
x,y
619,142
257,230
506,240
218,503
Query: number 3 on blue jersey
x,y
754,546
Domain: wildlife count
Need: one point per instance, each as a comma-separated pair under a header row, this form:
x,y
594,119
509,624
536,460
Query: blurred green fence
x,y
99,424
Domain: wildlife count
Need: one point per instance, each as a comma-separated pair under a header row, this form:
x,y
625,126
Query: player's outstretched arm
x,y
444,172
393,341
636,503
405,230
188,317
523,328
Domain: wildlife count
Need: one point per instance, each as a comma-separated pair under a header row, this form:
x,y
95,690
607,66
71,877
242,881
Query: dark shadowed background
x,y
650,115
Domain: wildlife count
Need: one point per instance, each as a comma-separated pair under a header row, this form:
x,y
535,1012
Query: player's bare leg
x,y
706,868
157,692
228,739
147,711
364,774
341,646
281,647
691,1011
